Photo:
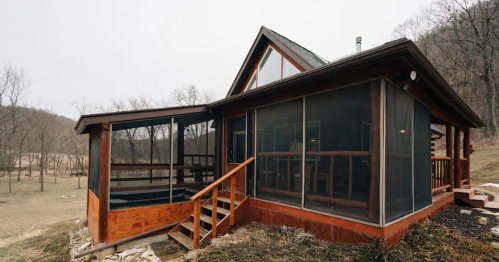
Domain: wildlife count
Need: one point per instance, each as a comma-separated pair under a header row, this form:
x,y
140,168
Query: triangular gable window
x,y
272,67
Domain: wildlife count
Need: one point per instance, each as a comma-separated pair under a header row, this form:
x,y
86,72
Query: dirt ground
x,y
26,209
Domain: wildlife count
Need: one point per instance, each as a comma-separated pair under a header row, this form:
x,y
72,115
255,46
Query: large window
x,y
273,66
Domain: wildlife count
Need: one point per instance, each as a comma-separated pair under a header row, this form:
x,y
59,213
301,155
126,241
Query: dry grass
x,y
28,208
427,242
52,245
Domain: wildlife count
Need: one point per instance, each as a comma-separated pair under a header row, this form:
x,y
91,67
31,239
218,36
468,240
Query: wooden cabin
x,y
340,148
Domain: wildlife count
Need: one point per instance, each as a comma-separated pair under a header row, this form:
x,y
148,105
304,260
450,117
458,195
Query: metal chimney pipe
x,y
359,41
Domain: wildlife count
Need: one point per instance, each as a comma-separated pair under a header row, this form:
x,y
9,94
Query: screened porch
x,y
361,152
159,161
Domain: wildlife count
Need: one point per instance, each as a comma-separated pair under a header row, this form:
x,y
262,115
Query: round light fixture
x,y
413,75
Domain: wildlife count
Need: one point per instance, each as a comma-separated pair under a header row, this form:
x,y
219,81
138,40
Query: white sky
x,y
104,49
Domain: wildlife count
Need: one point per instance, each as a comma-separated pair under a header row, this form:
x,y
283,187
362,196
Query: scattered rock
x,y
466,224
82,222
466,212
495,244
87,258
104,253
482,221
495,230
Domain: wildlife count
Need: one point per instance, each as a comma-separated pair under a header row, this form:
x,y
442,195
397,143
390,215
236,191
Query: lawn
x,y
26,209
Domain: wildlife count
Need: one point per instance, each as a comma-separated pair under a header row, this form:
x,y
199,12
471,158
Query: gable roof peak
x,y
302,56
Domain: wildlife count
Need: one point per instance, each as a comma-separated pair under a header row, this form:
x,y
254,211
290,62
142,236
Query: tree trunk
x,y
19,173
10,181
41,171
30,159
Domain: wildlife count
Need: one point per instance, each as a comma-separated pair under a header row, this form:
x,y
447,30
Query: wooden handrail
x,y
440,158
214,187
221,180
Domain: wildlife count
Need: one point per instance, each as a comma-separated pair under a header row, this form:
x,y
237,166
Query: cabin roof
x,y
310,57
402,49
86,121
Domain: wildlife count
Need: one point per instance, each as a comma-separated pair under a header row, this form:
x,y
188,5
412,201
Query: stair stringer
x,y
188,218
224,226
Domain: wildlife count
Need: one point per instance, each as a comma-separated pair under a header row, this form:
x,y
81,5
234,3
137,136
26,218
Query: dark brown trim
x,y
94,119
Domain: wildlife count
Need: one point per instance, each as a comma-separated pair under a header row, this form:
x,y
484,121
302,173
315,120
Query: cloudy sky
x,y
104,49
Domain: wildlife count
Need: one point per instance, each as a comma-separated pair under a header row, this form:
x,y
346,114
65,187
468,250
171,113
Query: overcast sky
x,y
105,49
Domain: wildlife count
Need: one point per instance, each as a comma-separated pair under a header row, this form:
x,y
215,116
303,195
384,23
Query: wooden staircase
x,y
469,197
215,216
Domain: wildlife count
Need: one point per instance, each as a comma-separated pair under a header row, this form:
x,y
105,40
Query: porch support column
x,y
466,154
180,152
457,157
104,181
448,143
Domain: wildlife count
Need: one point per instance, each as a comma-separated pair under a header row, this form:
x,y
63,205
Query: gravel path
x,y
466,224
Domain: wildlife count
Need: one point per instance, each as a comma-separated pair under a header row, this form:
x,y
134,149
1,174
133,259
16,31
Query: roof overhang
x,y
402,49
86,122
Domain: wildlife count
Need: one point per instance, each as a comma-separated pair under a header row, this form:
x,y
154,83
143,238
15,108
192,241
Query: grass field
x,y
26,208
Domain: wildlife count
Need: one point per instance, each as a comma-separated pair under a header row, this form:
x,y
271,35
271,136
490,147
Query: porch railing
x,y
214,187
314,175
440,173
463,162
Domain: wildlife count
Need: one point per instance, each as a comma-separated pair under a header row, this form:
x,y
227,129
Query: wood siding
x,y
130,222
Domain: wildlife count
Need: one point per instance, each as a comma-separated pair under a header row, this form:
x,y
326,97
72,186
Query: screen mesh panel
x,y
338,125
399,198
236,139
422,156
279,139
131,146
94,165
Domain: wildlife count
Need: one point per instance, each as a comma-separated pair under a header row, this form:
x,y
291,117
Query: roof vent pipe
x,y
359,41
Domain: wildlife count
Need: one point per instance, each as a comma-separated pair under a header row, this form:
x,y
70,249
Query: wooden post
x,y
466,154
232,198
315,174
180,152
214,214
448,141
277,173
375,152
104,181
289,172
197,216
457,157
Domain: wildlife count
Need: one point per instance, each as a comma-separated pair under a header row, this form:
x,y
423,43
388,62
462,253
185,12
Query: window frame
x,y
256,71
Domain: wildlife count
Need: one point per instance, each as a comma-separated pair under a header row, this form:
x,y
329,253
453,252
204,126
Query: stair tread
x,y
492,205
227,200
190,226
206,219
220,210
463,190
183,239
479,198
